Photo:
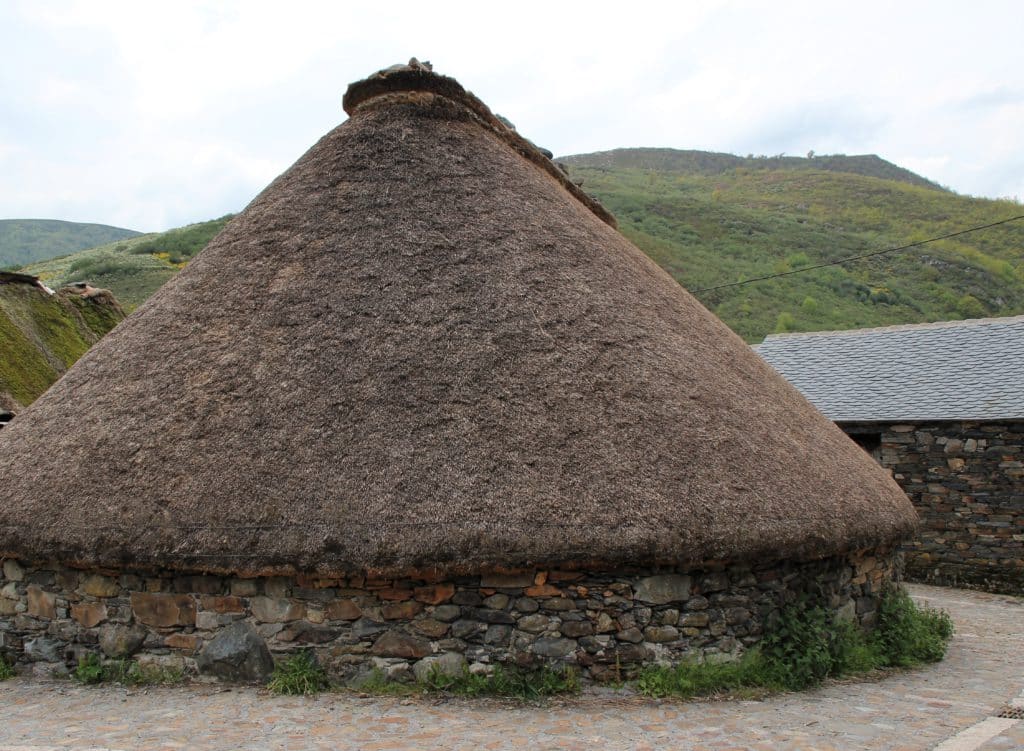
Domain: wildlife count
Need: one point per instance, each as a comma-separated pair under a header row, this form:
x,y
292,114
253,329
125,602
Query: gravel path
x,y
914,710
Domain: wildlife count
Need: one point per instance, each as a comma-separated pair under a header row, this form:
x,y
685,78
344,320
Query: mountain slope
x,y
709,223
711,219
688,161
24,241
132,269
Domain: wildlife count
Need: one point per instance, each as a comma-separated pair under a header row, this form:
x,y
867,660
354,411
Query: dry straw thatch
x,y
422,348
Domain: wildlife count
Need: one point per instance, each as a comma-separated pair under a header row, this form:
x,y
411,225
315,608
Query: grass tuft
x,y
91,670
502,682
6,670
526,685
298,675
689,679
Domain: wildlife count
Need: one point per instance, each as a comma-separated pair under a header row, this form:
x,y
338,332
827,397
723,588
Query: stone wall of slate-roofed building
x,y
966,480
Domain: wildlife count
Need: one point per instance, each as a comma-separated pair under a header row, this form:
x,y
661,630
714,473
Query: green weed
x,y
801,649
907,635
89,670
806,645
6,670
377,683
689,679
299,674
502,682
852,652
92,670
507,682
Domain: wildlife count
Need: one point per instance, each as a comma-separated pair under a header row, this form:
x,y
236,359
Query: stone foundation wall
x,y
606,624
966,480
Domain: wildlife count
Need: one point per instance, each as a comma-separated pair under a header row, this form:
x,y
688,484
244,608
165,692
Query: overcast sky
x,y
151,115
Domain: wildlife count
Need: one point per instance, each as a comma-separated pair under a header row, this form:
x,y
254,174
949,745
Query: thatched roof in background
x,y
421,346
43,333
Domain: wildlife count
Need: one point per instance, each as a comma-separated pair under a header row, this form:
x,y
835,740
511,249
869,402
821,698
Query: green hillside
x,y
711,219
715,163
43,334
132,269
24,241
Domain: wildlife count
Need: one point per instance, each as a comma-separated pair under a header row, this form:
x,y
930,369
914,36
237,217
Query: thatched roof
x,y
422,347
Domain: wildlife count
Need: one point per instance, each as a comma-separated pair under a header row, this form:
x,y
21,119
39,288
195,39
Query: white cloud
x,y
151,115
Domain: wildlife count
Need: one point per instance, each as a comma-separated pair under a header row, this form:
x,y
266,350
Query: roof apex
x,y
414,76
390,84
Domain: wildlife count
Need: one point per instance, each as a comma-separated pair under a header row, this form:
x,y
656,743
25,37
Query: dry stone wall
x,y
966,480
605,624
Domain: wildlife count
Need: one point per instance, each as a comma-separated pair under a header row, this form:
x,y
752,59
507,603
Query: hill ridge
x,y
717,162
133,268
708,225
24,241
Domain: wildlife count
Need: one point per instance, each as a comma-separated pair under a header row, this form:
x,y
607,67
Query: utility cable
x,y
858,257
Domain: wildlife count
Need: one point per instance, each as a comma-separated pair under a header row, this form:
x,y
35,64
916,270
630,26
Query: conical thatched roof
x,y
422,347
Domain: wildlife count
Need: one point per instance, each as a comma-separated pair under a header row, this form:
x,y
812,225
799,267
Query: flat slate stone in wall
x,y
966,480
606,624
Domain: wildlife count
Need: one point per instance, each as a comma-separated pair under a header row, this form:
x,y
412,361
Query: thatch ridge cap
x,y
418,78
15,277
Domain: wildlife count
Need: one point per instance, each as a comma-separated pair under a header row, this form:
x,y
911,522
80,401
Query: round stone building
x,y
421,403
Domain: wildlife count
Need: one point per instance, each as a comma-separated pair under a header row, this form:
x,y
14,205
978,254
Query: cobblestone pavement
x,y
913,710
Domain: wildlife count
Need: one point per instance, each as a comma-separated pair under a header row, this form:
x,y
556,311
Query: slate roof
x,y
953,370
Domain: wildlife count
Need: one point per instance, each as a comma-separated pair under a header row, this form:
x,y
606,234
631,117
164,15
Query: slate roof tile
x,y
953,370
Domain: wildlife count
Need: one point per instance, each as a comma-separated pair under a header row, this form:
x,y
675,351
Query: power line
x,y
857,258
